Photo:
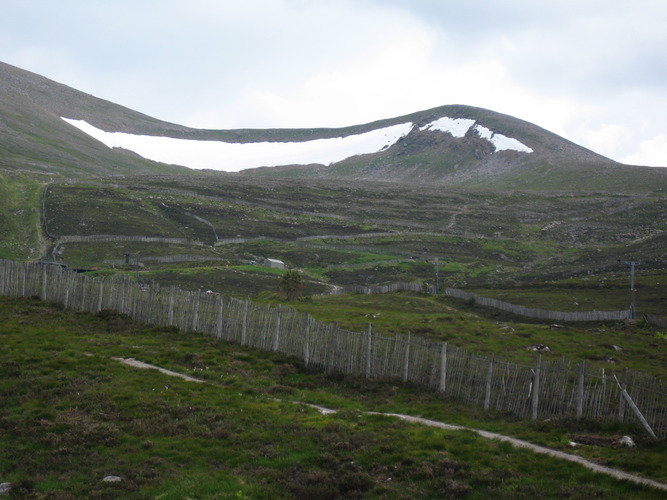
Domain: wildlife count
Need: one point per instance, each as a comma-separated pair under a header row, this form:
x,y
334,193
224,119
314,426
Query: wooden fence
x,y
530,312
498,304
548,389
392,287
164,259
655,320
107,238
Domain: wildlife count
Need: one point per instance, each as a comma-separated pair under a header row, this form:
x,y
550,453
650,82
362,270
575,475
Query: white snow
x,y
501,142
484,132
458,127
233,157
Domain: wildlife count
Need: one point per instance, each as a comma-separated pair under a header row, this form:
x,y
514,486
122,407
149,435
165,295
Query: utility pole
x,y
437,276
632,265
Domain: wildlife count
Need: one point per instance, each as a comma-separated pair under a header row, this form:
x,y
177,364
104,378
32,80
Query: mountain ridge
x,y
35,138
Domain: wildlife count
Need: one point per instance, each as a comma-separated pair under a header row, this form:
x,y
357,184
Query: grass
x,y
488,331
605,291
239,281
19,216
483,239
71,415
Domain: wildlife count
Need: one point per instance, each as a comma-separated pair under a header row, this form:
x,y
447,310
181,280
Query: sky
x,y
592,71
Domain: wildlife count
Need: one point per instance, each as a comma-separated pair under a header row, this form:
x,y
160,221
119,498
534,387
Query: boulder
x,y
538,348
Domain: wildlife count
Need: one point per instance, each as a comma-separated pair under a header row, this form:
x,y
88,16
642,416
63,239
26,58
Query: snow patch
x,y
233,157
507,143
484,132
458,127
501,142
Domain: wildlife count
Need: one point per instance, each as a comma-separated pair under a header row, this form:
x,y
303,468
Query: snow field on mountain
x,y
233,157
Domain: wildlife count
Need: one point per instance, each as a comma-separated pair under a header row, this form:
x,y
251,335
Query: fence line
x,y
548,389
163,259
392,287
656,320
498,304
531,312
106,238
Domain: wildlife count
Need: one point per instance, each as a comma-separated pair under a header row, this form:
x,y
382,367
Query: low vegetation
x,y
72,415
373,234
553,234
20,217
611,346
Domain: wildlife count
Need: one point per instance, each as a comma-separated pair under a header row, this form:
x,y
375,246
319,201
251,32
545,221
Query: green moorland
x,y
611,346
373,233
20,197
557,250
72,415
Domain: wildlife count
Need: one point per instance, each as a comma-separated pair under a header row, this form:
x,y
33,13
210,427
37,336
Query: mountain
x,y
49,127
35,138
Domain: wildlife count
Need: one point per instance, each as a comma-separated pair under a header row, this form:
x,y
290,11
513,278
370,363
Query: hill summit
x,y
51,128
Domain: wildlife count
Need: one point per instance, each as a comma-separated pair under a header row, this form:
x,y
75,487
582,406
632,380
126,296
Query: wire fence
x,y
546,390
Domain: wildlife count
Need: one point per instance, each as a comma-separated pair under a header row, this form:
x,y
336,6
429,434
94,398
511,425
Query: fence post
x,y
23,273
276,332
443,367
306,346
195,313
489,377
580,389
406,359
368,350
43,282
218,323
83,295
122,296
621,402
334,346
100,295
536,387
244,324
634,407
171,307
67,287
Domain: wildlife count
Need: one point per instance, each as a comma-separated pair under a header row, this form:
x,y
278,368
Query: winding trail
x,y
517,443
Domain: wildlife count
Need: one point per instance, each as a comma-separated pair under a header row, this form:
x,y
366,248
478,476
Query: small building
x,y
274,264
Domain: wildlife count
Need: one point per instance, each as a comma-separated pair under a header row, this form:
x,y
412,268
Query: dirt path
x,y
141,364
517,443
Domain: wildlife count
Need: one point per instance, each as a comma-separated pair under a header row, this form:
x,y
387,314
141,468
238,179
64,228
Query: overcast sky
x,y
593,71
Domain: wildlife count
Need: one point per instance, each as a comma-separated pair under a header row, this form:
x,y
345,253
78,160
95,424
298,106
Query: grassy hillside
x,y
204,231
36,139
72,415
20,208
550,250
490,332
